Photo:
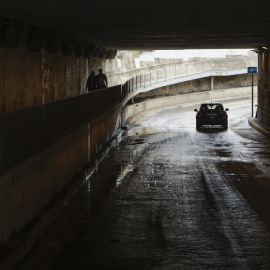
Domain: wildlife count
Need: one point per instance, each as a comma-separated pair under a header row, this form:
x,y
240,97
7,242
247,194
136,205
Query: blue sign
x,y
252,69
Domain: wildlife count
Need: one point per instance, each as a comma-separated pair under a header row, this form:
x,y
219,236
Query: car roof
x,y
211,103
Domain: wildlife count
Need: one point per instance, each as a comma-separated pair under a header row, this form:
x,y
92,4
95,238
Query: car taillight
x,y
224,114
199,114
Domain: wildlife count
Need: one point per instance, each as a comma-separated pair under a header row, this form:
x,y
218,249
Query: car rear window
x,y
211,107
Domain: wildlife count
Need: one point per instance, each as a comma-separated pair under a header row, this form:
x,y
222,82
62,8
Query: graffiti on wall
x,y
47,83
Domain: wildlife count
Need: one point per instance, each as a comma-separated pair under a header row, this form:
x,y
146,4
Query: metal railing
x,y
25,131
184,70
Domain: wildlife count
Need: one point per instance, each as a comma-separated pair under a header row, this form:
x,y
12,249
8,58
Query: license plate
x,y
211,114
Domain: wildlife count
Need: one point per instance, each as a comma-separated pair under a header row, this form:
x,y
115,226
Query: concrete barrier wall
x,y
28,186
203,84
133,63
132,112
222,64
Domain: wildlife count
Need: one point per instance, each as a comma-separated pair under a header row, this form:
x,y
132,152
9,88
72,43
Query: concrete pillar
x,y
212,83
264,87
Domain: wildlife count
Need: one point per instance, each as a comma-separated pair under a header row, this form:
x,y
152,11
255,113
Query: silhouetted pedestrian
x,y
91,82
101,80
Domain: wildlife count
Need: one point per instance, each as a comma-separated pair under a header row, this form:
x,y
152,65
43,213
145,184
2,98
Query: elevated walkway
x,y
145,82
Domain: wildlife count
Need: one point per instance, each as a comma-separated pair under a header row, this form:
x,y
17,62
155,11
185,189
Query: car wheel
x,y
198,126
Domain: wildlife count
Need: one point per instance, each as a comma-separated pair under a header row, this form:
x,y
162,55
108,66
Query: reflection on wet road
x,y
170,197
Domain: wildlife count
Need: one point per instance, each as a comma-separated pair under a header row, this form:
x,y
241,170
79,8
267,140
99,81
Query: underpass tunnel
x,y
50,127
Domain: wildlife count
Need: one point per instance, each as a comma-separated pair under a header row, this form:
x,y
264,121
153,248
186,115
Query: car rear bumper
x,y
212,122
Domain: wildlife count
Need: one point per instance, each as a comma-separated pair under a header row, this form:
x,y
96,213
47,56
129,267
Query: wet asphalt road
x,y
170,197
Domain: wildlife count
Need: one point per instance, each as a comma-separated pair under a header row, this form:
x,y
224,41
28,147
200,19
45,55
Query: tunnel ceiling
x,y
148,24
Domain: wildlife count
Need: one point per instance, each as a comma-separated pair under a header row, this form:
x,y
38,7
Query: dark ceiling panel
x,y
149,24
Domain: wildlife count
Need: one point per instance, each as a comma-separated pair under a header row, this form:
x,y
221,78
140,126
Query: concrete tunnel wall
x,y
33,78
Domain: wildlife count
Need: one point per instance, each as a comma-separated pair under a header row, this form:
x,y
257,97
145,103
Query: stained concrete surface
x,y
170,197
145,25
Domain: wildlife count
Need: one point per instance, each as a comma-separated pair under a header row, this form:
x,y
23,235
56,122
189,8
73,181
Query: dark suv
x,y
211,114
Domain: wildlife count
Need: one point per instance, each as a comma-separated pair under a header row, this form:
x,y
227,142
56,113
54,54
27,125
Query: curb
x,y
265,130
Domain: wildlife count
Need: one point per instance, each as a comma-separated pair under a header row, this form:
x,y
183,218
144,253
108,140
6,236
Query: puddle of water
x,y
144,130
124,172
224,153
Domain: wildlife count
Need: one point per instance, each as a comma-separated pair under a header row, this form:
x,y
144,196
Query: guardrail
x,y
25,131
